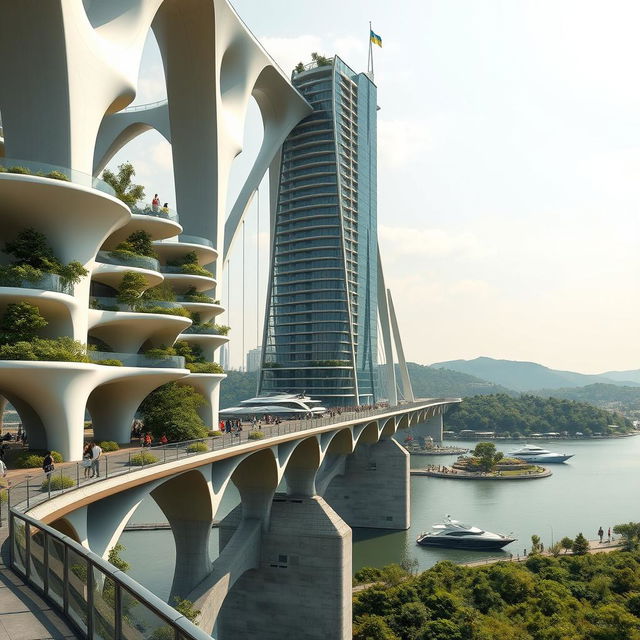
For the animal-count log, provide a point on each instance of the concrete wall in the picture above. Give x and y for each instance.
(302, 588)
(374, 490)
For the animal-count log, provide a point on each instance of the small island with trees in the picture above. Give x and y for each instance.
(485, 463)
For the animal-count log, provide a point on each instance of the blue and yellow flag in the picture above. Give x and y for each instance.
(375, 38)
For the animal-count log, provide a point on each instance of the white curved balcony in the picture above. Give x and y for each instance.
(175, 247)
(35, 199)
(157, 228)
(110, 268)
(127, 331)
(206, 310)
(182, 281)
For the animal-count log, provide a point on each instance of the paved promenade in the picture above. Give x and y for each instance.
(24, 615)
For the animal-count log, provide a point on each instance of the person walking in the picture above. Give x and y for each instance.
(96, 452)
(609, 535)
(86, 459)
(155, 203)
(600, 534)
(47, 465)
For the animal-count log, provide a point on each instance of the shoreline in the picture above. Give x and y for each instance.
(466, 475)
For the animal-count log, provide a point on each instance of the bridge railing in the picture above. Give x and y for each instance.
(98, 599)
(38, 487)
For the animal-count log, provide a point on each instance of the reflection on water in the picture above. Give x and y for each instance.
(596, 488)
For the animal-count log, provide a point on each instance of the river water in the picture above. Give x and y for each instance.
(597, 487)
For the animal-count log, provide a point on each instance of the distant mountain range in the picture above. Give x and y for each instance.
(529, 376)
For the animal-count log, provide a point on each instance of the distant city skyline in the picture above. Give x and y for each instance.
(509, 158)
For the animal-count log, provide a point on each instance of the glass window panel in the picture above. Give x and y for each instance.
(19, 547)
(104, 606)
(77, 587)
(138, 621)
(56, 570)
(36, 547)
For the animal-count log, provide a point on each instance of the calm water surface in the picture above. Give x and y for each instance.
(598, 487)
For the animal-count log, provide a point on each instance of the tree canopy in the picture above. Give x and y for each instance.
(172, 410)
(531, 414)
(122, 184)
(580, 597)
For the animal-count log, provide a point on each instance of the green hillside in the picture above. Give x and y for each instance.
(238, 386)
(525, 376)
(606, 396)
(528, 414)
(429, 382)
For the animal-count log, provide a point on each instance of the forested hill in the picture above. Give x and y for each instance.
(237, 387)
(607, 396)
(528, 414)
(429, 382)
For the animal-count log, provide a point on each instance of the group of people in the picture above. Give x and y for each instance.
(601, 534)
(91, 459)
(155, 204)
(231, 426)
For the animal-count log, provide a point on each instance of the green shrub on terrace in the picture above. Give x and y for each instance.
(109, 362)
(194, 269)
(63, 349)
(33, 458)
(197, 447)
(109, 445)
(57, 175)
(141, 459)
(56, 482)
(256, 435)
(162, 292)
(167, 311)
(192, 295)
(160, 353)
(216, 433)
(204, 367)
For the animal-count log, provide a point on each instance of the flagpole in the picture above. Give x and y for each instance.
(370, 61)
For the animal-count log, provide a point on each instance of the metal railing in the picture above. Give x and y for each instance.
(139, 359)
(123, 260)
(102, 303)
(99, 600)
(48, 282)
(156, 212)
(186, 239)
(144, 107)
(55, 172)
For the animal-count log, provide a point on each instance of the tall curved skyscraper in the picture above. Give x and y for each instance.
(321, 324)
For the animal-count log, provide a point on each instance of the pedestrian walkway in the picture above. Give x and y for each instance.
(24, 615)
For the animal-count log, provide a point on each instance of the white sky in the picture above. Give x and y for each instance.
(508, 170)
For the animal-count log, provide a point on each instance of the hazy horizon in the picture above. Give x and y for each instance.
(509, 158)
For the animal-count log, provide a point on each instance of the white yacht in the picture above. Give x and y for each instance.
(278, 404)
(455, 535)
(533, 453)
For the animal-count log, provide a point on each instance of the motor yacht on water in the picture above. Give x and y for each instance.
(533, 453)
(455, 535)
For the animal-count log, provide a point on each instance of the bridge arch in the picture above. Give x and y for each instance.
(302, 467)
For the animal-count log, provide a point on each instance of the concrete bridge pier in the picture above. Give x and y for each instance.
(431, 427)
(374, 489)
(301, 586)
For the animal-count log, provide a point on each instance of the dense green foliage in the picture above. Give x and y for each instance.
(171, 410)
(21, 322)
(141, 459)
(487, 455)
(57, 482)
(122, 184)
(582, 597)
(138, 243)
(606, 396)
(34, 458)
(62, 349)
(31, 252)
(238, 386)
(528, 414)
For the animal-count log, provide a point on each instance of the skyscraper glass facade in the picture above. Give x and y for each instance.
(321, 325)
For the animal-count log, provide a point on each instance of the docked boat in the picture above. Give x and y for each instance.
(533, 453)
(456, 535)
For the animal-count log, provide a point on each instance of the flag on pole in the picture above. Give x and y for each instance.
(375, 38)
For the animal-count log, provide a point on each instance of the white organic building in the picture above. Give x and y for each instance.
(68, 71)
